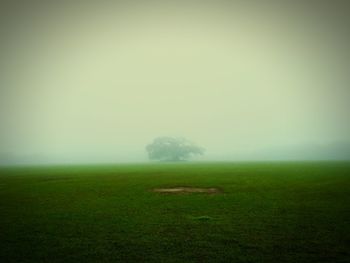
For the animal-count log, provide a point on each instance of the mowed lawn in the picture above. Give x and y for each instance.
(267, 212)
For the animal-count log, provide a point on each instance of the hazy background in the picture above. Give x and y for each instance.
(96, 81)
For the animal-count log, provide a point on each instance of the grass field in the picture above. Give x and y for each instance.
(266, 212)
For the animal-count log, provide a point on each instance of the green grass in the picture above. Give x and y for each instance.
(268, 212)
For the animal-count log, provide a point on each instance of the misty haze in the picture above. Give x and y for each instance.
(97, 84)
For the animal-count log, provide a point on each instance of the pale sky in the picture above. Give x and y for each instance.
(98, 82)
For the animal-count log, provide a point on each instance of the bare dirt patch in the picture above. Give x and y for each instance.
(184, 190)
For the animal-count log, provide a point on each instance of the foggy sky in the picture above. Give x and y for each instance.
(96, 82)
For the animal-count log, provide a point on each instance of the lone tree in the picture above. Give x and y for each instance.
(172, 149)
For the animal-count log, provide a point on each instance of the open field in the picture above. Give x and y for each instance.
(264, 212)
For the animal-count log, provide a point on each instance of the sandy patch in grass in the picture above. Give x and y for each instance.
(184, 189)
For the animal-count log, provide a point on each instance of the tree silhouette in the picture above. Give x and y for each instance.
(172, 149)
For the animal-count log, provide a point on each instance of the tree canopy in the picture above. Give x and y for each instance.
(172, 149)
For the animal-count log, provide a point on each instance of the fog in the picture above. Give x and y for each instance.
(96, 82)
